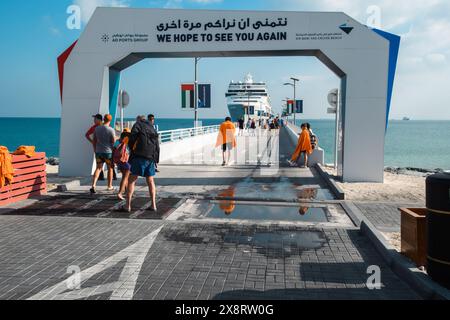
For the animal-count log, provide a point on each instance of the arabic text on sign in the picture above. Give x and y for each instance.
(242, 24)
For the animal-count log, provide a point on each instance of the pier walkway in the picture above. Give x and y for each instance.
(256, 229)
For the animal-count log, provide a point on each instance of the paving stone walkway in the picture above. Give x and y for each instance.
(186, 261)
(384, 216)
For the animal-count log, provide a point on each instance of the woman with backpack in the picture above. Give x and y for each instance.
(313, 137)
(121, 157)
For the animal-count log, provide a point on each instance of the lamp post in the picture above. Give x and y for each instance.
(124, 101)
(287, 107)
(293, 84)
(196, 92)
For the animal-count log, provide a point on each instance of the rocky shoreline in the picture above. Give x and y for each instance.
(411, 171)
(53, 161)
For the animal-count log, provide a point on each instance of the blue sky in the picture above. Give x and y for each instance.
(34, 34)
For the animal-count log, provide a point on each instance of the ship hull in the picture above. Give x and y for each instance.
(237, 111)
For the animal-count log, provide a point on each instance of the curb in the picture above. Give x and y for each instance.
(400, 265)
(337, 191)
(68, 186)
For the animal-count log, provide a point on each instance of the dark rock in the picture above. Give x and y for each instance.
(53, 161)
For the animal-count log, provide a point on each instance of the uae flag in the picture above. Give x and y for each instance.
(187, 96)
(290, 105)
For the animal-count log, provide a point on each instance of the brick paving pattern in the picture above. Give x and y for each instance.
(103, 206)
(191, 260)
(384, 216)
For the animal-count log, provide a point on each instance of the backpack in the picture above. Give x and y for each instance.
(313, 141)
(120, 154)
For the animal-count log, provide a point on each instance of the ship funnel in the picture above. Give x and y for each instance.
(248, 78)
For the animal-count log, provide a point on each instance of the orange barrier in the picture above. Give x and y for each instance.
(30, 179)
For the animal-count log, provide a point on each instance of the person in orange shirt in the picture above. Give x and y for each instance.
(227, 139)
(303, 147)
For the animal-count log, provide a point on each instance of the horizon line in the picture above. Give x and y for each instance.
(184, 118)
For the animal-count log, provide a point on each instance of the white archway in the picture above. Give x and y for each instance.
(116, 38)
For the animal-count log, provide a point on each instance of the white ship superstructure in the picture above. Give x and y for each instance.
(248, 99)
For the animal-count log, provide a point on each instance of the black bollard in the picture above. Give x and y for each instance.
(438, 228)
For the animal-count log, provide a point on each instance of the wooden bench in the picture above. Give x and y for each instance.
(30, 179)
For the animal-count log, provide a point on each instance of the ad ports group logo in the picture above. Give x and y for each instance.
(105, 38)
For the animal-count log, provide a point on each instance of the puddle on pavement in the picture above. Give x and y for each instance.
(281, 188)
(235, 212)
(280, 240)
(230, 210)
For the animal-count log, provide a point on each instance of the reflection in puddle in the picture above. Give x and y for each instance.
(303, 211)
(308, 193)
(229, 210)
(227, 206)
(282, 189)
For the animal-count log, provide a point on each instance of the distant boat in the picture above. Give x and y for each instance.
(406, 119)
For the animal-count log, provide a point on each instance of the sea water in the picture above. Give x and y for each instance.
(419, 144)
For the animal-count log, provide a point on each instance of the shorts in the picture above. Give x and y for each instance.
(124, 166)
(102, 158)
(227, 146)
(142, 167)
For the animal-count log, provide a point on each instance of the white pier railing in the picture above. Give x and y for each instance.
(177, 134)
(180, 134)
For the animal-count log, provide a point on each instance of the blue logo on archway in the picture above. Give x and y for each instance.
(347, 29)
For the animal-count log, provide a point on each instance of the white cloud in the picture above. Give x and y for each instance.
(173, 4)
(55, 31)
(436, 58)
(423, 68)
(88, 6)
(48, 20)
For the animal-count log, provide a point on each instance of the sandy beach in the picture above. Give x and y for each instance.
(52, 173)
(409, 187)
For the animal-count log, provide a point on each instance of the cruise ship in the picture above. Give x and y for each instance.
(248, 99)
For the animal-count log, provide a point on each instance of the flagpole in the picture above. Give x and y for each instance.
(196, 93)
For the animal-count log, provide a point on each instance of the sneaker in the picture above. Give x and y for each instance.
(292, 163)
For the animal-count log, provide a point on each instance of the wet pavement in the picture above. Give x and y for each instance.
(282, 188)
